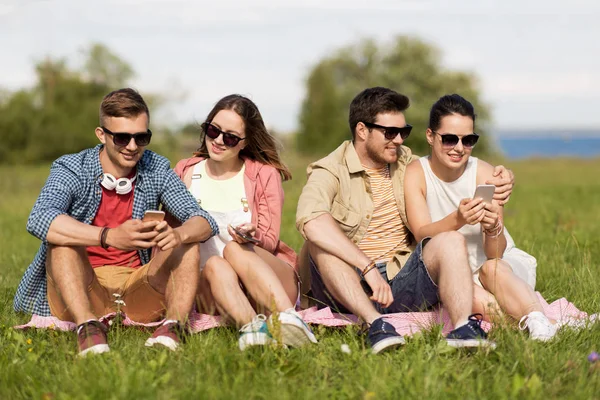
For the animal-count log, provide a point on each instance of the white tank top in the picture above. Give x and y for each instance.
(225, 201)
(443, 199)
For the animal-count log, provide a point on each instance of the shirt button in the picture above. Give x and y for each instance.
(368, 216)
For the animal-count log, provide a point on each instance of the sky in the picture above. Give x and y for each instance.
(538, 62)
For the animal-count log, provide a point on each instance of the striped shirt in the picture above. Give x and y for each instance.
(73, 188)
(386, 233)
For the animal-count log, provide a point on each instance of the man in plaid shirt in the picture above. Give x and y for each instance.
(95, 253)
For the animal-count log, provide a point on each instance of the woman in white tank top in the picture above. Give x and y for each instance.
(438, 193)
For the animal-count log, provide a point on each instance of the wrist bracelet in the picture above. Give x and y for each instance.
(495, 231)
(369, 267)
(103, 235)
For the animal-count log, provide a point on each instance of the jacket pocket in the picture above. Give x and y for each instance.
(347, 219)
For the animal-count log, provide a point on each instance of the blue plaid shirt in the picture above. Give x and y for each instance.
(73, 188)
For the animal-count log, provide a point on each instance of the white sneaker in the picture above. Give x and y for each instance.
(578, 323)
(539, 326)
(255, 333)
(294, 331)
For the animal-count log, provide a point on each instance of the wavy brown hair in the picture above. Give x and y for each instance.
(260, 144)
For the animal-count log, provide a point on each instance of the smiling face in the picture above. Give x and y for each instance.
(227, 121)
(120, 160)
(380, 151)
(452, 159)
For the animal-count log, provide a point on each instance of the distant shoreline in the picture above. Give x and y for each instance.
(535, 133)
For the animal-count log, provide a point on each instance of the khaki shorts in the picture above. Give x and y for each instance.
(142, 302)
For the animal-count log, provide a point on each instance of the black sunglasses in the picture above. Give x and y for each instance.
(123, 139)
(391, 132)
(450, 140)
(229, 139)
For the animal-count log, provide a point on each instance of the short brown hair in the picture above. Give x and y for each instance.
(373, 101)
(125, 102)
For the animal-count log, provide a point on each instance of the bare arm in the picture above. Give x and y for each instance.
(494, 241)
(67, 231)
(417, 211)
(324, 232)
(195, 229)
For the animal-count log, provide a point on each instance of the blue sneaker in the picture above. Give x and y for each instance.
(470, 335)
(383, 336)
(255, 333)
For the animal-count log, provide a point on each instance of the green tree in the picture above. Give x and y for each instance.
(58, 115)
(407, 65)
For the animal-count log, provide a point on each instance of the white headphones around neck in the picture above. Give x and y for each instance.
(121, 185)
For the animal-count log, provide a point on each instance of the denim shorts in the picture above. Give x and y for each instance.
(412, 288)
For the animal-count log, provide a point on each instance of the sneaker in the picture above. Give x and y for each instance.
(539, 326)
(255, 333)
(578, 323)
(168, 334)
(91, 338)
(294, 331)
(383, 336)
(470, 335)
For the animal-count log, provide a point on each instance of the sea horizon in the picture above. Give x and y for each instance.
(548, 143)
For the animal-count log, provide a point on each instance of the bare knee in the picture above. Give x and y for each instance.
(450, 241)
(493, 267)
(55, 251)
(217, 268)
(232, 250)
(66, 256)
(443, 245)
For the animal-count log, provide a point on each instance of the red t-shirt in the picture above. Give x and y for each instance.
(113, 211)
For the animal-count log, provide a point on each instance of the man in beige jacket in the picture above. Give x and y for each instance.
(361, 254)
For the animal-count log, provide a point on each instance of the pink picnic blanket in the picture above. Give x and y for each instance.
(405, 323)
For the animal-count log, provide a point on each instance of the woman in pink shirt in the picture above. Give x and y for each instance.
(236, 175)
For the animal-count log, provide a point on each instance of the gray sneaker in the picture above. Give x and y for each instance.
(294, 331)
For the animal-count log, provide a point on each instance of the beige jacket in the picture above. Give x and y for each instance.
(338, 185)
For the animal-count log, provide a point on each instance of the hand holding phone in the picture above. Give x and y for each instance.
(243, 235)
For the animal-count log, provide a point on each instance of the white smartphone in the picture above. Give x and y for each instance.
(243, 235)
(486, 192)
(154, 215)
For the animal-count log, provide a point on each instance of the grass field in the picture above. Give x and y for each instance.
(554, 214)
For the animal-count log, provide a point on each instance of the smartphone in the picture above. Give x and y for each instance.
(486, 192)
(243, 235)
(154, 215)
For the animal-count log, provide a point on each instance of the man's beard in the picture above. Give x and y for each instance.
(377, 158)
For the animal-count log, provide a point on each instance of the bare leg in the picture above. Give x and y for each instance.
(485, 303)
(204, 298)
(445, 257)
(72, 273)
(175, 273)
(515, 296)
(343, 284)
(269, 281)
(227, 293)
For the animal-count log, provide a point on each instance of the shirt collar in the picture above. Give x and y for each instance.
(352, 160)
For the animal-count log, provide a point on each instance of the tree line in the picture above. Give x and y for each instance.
(58, 113)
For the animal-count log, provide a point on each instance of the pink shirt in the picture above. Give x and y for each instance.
(264, 191)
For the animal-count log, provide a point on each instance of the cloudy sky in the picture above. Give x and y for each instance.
(538, 61)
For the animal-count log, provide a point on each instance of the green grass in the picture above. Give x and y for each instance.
(554, 214)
